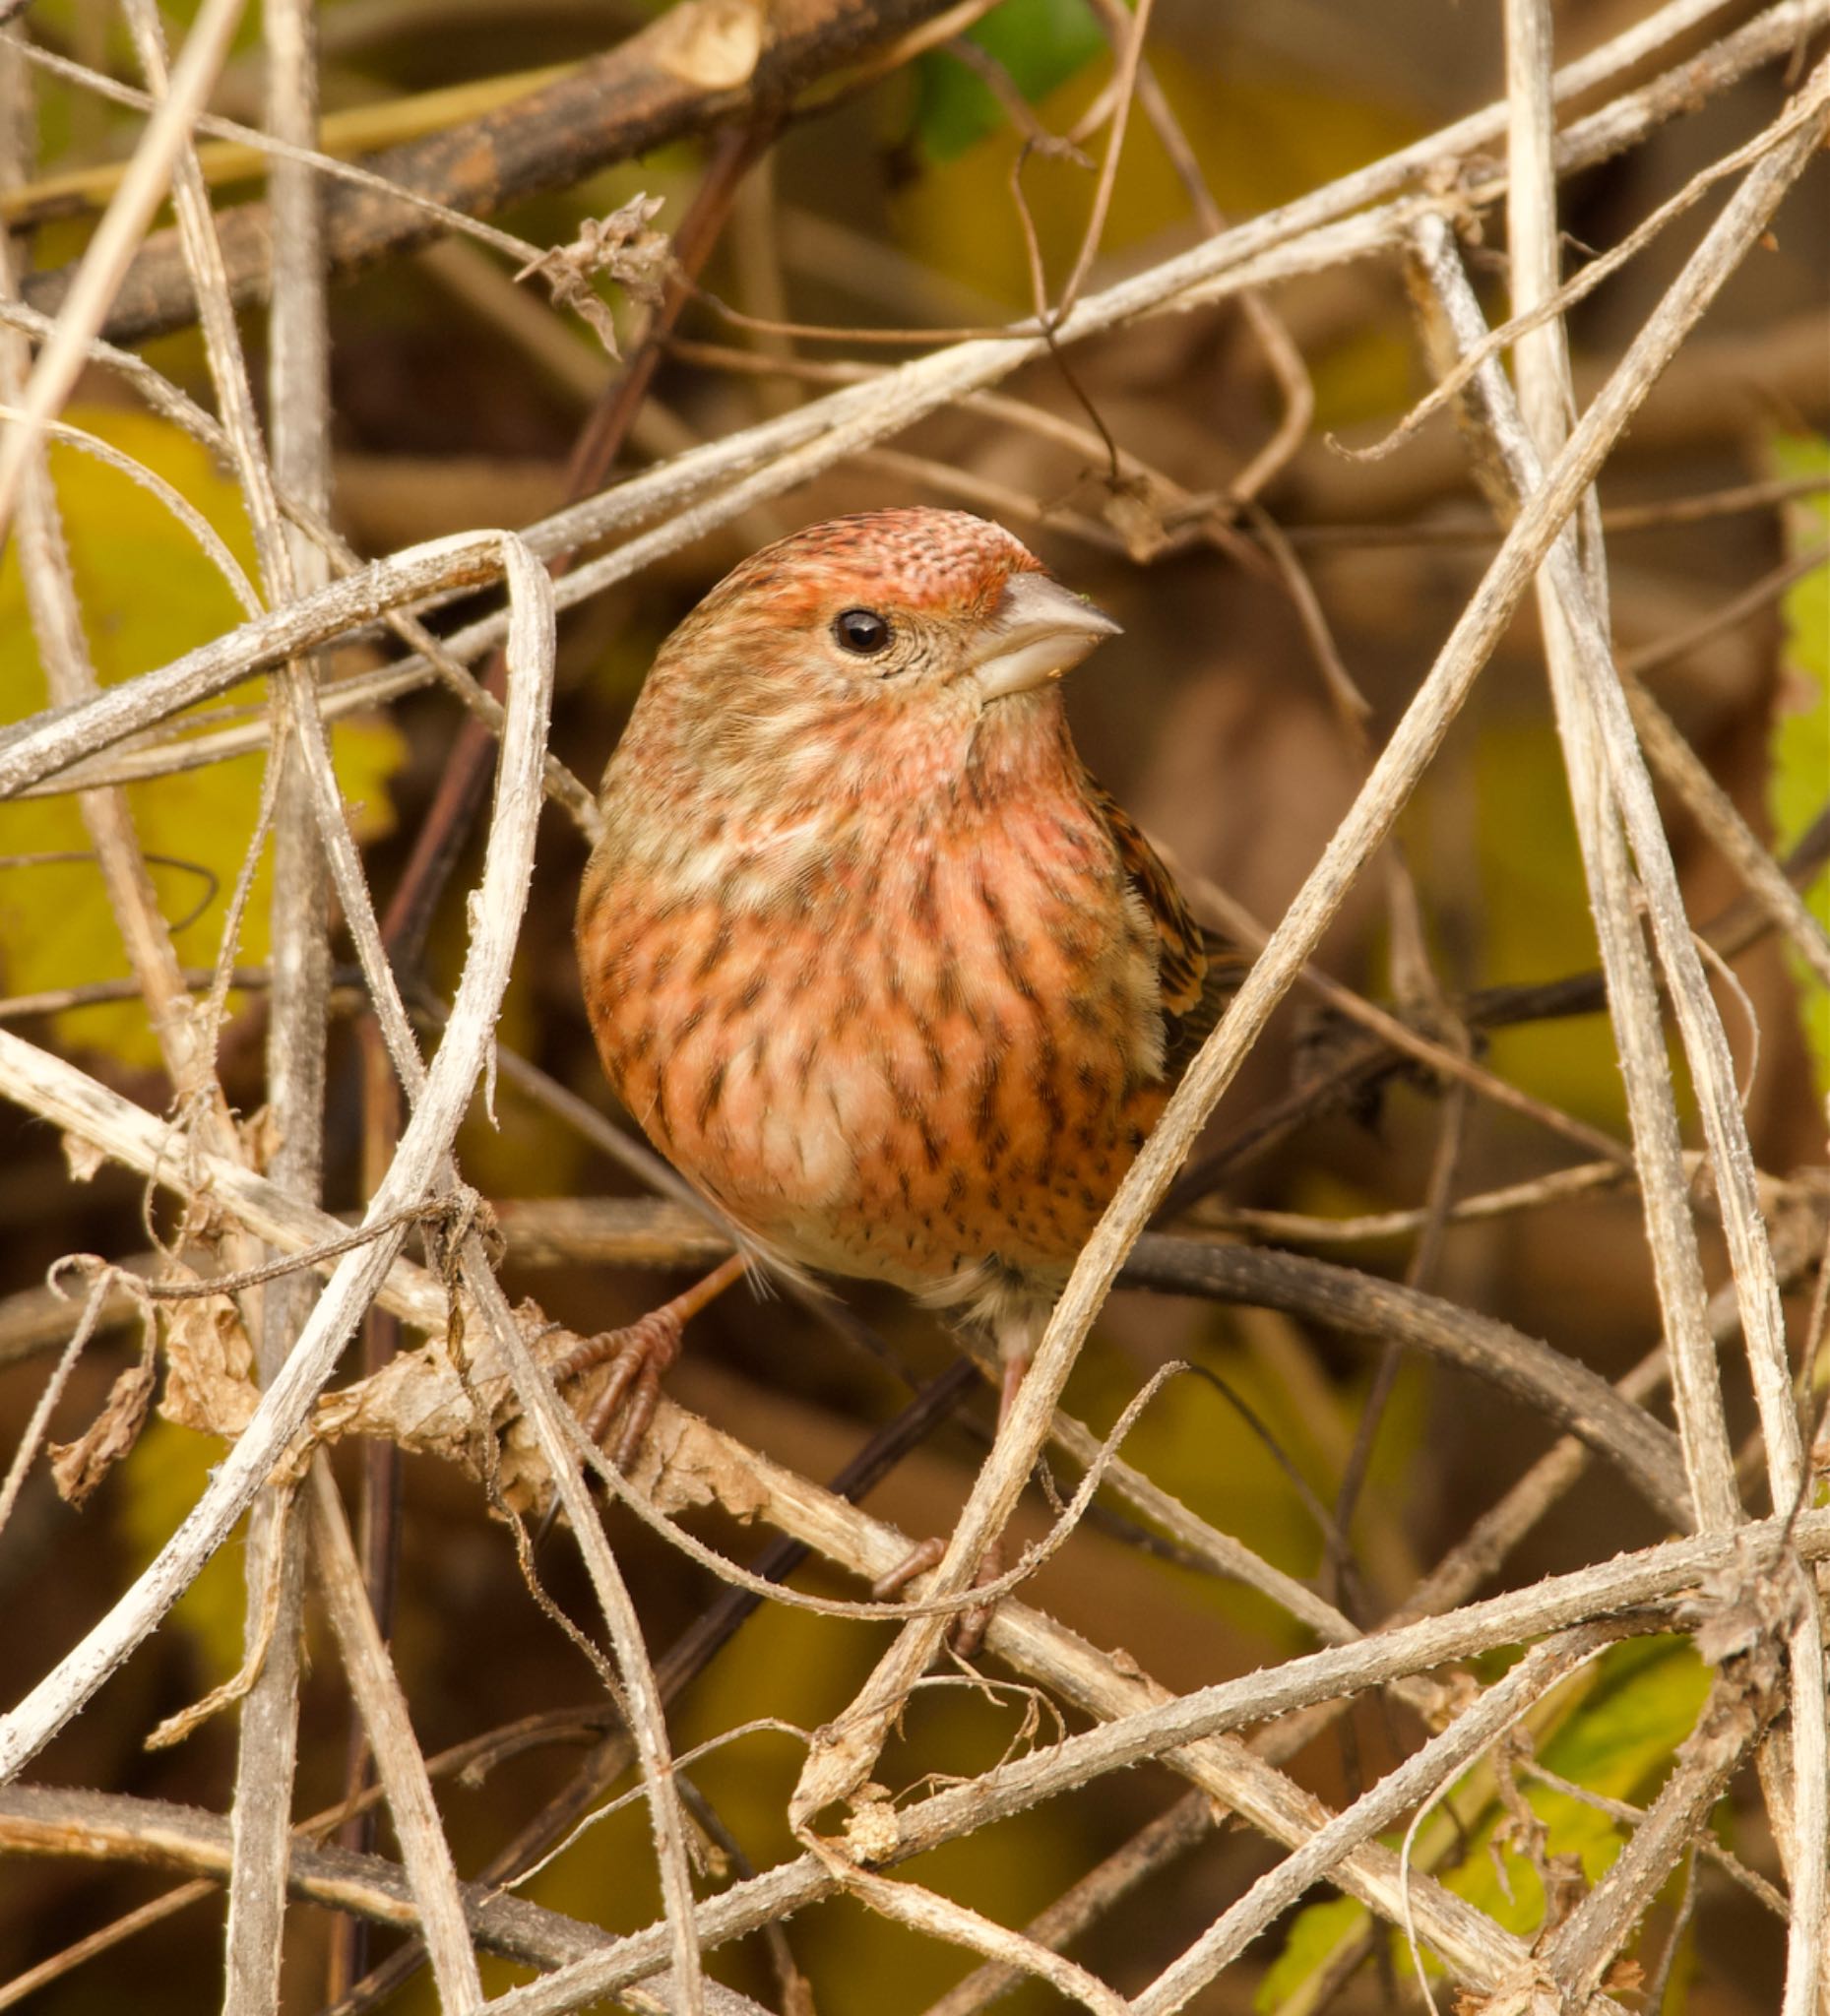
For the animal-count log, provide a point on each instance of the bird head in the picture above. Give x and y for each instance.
(892, 638)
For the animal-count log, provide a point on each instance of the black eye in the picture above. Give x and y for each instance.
(862, 631)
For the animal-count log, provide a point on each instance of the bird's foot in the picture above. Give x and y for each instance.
(966, 1635)
(919, 1558)
(639, 1357)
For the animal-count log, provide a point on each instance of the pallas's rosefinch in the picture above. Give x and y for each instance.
(869, 955)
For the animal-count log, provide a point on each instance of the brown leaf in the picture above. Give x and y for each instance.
(680, 1468)
(620, 245)
(78, 1467)
(419, 1402)
(209, 1369)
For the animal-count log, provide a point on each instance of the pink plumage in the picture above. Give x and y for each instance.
(868, 955)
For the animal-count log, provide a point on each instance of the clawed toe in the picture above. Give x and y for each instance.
(639, 1357)
(967, 1633)
(925, 1554)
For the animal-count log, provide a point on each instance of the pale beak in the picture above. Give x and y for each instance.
(1038, 631)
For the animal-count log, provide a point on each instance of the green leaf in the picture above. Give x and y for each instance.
(1618, 1739)
(1799, 744)
(147, 594)
(1318, 1932)
(1039, 43)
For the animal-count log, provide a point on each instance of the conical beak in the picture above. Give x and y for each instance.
(1038, 631)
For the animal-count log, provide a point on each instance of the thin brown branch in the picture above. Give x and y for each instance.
(635, 98)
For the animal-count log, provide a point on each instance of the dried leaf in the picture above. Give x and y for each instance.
(679, 1468)
(419, 1402)
(423, 1403)
(78, 1467)
(620, 245)
(209, 1369)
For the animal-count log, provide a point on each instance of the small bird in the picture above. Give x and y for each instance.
(868, 955)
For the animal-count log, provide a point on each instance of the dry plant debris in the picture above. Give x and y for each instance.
(1582, 1759)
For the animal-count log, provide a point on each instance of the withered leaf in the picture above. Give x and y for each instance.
(210, 1367)
(78, 1467)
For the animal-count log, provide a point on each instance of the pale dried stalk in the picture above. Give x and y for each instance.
(70, 676)
(1392, 1029)
(188, 1053)
(425, 1851)
(274, 147)
(318, 550)
(942, 1917)
(142, 190)
(1153, 1726)
(849, 1537)
(52, 1390)
(1128, 55)
(1281, 353)
(1222, 1554)
(111, 1827)
(1167, 1838)
(298, 1002)
(1645, 1452)
(1578, 1953)
(869, 1548)
(55, 1089)
(1422, 1775)
(1715, 813)
(1481, 1551)
(267, 1745)
(50, 741)
(641, 1704)
(1542, 364)
(57, 630)
(1599, 694)
(496, 913)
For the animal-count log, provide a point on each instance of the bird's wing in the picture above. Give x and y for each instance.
(1198, 971)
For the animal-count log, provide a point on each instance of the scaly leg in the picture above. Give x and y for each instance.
(967, 1635)
(640, 1355)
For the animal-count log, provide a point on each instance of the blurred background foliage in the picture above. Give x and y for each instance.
(457, 397)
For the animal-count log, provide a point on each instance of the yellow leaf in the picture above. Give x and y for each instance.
(147, 594)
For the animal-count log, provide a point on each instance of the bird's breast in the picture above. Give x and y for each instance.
(927, 1046)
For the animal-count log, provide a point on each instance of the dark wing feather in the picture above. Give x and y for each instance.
(1227, 967)
(1197, 969)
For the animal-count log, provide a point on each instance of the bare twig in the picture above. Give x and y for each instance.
(1604, 709)
(638, 94)
(107, 260)
(1439, 1762)
(454, 1072)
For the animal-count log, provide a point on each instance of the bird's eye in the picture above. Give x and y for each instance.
(862, 631)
